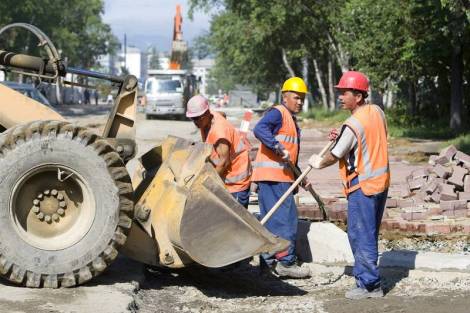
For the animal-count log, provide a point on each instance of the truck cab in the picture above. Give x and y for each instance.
(167, 92)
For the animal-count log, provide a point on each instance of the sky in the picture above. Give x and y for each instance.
(150, 22)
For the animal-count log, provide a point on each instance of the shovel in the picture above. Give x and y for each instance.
(310, 189)
(299, 179)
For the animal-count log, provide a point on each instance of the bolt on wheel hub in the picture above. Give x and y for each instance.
(49, 206)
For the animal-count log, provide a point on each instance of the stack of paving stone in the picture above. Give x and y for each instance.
(446, 180)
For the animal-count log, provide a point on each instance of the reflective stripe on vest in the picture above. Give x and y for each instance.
(269, 164)
(237, 178)
(287, 139)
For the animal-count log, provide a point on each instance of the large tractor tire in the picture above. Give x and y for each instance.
(65, 204)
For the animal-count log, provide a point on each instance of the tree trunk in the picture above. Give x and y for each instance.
(388, 95)
(456, 86)
(331, 91)
(412, 98)
(286, 63)
(341, 56)
(321, 88)
(305, 76)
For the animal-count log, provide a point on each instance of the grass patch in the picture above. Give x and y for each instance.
(325, 117)
(462, 143)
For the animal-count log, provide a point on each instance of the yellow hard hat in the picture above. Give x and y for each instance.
(296, 84)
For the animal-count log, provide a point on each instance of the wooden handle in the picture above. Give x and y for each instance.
(326, 148)
(293, 186)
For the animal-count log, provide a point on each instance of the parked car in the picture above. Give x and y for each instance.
(29, 91)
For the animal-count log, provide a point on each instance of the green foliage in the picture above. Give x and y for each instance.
(462, 143)
(330, 117)
(74, 26)
(407, 47)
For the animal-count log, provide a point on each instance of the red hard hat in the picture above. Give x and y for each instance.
(353, 80)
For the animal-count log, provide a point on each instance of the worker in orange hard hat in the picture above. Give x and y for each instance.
(280, 141)
(361, 149)
(230, 154)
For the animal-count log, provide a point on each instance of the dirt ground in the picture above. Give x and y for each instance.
(245, 289)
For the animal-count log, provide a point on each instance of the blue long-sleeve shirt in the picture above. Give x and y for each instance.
(268, 127)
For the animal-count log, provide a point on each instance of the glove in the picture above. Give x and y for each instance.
(282, 152)
(315, 161)
(285, 155)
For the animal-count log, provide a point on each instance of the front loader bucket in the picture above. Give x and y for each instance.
(191, 215)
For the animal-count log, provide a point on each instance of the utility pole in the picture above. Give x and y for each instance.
(125, 51)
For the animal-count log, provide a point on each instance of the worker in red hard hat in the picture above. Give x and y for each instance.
(230, 154)
(361, 149)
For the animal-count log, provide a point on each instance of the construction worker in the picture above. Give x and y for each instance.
(230, 154)
(361, 148)
(280, 137)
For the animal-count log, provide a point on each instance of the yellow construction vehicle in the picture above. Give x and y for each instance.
(68, 205)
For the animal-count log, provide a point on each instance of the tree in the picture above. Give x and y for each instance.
(74, 26)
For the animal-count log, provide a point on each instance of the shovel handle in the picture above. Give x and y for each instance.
(327, 148)
(285, 195)
(293, 186)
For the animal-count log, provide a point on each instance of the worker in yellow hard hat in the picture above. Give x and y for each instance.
(280, 138)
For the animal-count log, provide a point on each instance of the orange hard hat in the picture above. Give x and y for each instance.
(353, 80)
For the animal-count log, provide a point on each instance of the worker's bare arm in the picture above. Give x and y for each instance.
(222, 147)
(328, 160)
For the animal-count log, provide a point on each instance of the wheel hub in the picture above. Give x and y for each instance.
(49, 206)
(52, 207)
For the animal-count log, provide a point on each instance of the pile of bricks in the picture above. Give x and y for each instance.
(445, 180)
(435, 200)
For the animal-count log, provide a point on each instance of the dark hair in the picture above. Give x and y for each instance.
(363, 93)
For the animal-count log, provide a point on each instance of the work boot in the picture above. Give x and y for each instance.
(362, 293)
(291, 271)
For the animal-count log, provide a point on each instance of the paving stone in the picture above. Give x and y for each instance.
(432, 159)
(437, 210)
(430, 186)
(391, 203)
(437, 229)
(464, 196)
(448, 193)
(413, 216)
(436, 196)
(417, 183)
(442, 171)
(405, 203)
(405, 191)
(448, 152)
(458, 174)
(454, 205)
(466, 183)
(441, 160)
(422, 172)
(463, 158)
(310, 212)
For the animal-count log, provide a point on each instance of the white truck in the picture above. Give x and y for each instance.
(167, 92)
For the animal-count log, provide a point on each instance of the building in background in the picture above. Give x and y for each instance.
(201, 69)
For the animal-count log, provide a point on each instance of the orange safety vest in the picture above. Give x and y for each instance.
(268, 166)
(238, 173)
(370, 127)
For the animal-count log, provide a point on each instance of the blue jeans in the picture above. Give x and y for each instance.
(364, 217)
(243, 197)
(283, 223)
